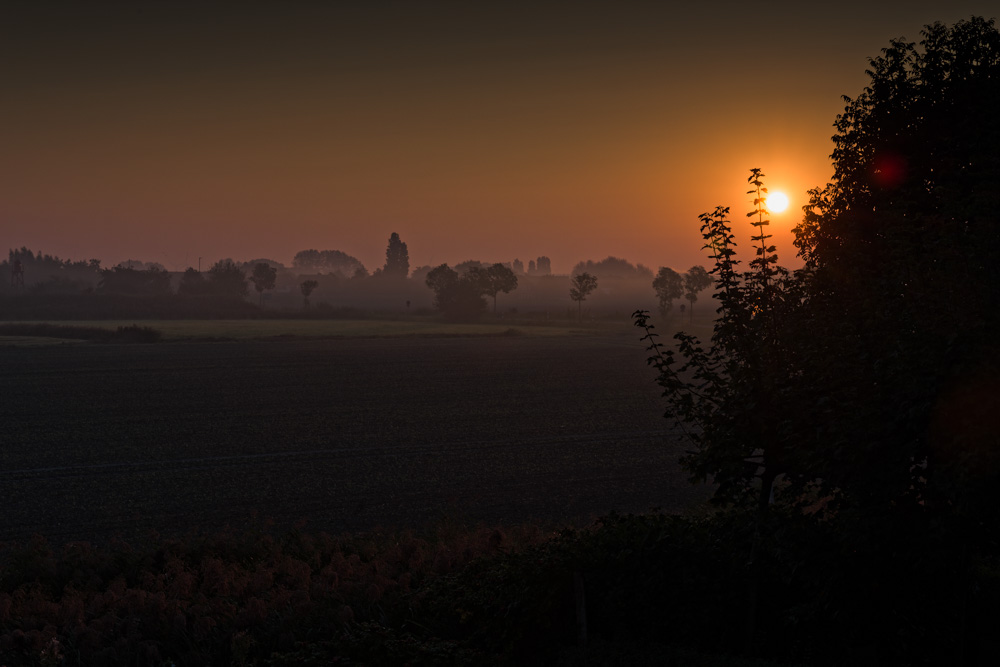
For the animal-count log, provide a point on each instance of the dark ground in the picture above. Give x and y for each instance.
(98, 440)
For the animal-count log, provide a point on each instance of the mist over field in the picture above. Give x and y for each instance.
(320, 284)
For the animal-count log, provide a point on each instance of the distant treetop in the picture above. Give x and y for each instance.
(397, 258)
(613, 267)
(327, 261)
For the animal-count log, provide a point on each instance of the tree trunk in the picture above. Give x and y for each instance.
(755, 574)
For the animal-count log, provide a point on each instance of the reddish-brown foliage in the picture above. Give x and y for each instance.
(225, 598)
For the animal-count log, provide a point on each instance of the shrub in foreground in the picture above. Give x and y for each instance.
(655, 587)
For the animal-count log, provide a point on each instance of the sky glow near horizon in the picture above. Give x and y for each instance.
(474, 130)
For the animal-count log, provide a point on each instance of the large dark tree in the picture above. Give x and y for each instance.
(227, 279)
(193, 283)
(903, 264)
(493, 280)
(862, 389)
(307, 287)
(326, 261)
(457, 297)
(914, 197)
(669, 285)
(397, 259)
(847, 366)
(695, 280)
(126, 280)
(263, 278)
(613, 267)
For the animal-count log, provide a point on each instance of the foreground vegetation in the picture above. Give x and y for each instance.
(850, 406)
(630, 590)
(647, 587)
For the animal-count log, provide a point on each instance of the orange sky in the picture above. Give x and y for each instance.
(487, 131)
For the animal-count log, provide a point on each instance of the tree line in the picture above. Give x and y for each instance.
(467, 291)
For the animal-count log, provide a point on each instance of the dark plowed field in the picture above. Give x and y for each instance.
(97, 440)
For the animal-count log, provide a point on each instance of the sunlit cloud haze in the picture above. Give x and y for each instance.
(172, 131)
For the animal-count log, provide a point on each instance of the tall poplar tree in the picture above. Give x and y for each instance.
(397, 259)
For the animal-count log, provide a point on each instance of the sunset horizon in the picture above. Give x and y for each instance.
(436, 332)
(169, 133)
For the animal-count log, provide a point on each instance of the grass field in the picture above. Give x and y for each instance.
(347, 433)
(35, 341)
(262, 329)
(177, 330)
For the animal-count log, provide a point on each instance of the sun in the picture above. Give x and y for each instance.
(777, 202)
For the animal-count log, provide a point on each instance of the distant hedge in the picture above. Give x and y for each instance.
(124, 334)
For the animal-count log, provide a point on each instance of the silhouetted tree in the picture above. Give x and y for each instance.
(326, 261)
(492, 280)
(517, 266)
(543, 266)
(744, 366)
(440, 277)
(139, 265)
(263, 278)
(397, 259)
(123, 280)
(458, 297)
(50, 274)
(227, 279)
(249, 265)
(581, 287)
(307, 287)
(727, 398)
(668, 285)
(903, 280)
(695, 280)
(532, 270)
(17, 273)
(861, 380)
(613, 267)
(464, 267)
(193, 283)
